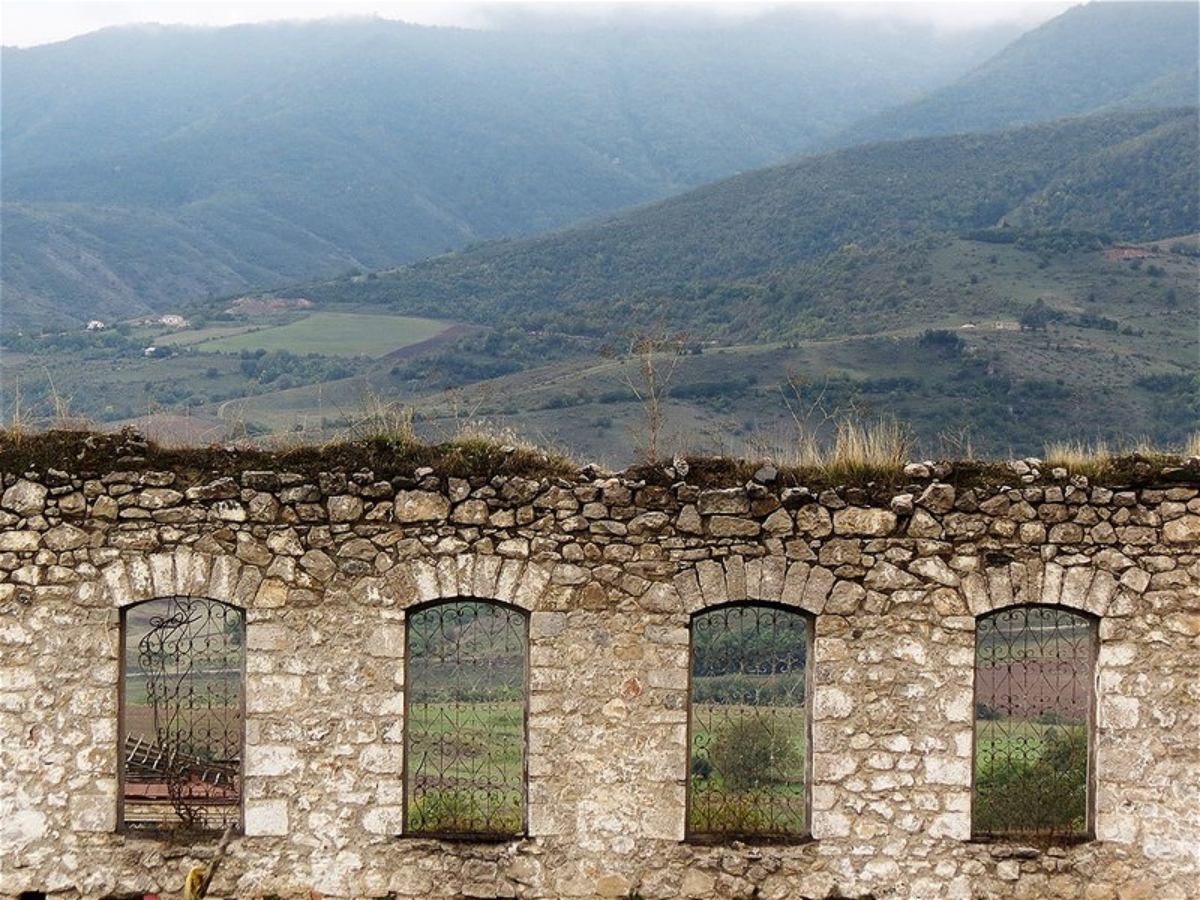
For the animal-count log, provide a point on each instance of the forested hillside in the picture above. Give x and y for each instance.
(144, 166)
(1012, 284)
(1092, 58)
(759, 256)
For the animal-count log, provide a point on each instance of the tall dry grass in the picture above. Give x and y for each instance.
(859, 447)
(1192, 446)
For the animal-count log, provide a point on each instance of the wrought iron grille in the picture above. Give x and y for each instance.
(748, 723)
(182, 714)
(1033, 708)
(465, 725)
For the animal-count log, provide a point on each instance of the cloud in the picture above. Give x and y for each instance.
(24, 23)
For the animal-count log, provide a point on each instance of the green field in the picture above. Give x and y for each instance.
(465, 768)
(332, 334)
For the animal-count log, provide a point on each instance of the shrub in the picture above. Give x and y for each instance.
(1045, 797)
(753, 752)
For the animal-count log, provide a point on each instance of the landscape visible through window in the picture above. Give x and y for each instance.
(465, 740)
(182, 714)
(1033, 701)
(748, 723)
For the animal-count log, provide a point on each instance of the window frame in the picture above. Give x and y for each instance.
(406, 798)
(1093, 643)
(720, 838)
(123, 826)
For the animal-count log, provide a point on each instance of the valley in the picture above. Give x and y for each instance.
(1107, 353)
(609, 240)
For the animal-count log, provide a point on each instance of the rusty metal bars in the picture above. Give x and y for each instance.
(748, 723)
(1033, 722)
(182, 714)
(465, 740)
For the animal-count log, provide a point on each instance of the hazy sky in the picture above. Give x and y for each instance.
(25, 24)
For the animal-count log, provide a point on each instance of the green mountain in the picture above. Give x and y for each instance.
(143, 166)
(1094, 57)
(748, 258)
(996, 292)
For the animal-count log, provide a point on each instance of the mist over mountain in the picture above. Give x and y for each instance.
(1128, 176)
(147, 165)
(1092, 58)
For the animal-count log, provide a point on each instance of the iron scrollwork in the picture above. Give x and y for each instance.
(1033, 701)
(748, 723)
(183, 714)
(465, 743)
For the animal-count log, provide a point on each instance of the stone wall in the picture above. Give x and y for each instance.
(611, 569)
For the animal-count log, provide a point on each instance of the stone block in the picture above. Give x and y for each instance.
(687, 585)
(273, 693)
(845, 598)
(19, 541)
(266, 818)
(818, 588)
(955, 826)
(937, 498)
(21, 827)
(25, 498)
(774, 573)
(1119, 712)
(93, 813)
(532, 585)
(730, 501)
(271, 761)
(732, 526)
(382, 759)
(924, 525)
(949, 770)
(345, 508)
(1185, 530)
(830, 825)
(711, 576)
(831, 703)
(420, 506)
(508, 580)
(697, 884)
(999, 587)
(385, 642)
(62, 537)
(854, 520)
(814, 520)
(1076, 583)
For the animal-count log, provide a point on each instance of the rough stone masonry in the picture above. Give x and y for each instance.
(610, 568)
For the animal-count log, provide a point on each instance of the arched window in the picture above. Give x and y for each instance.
(1033, 723)
(181, 701)
(465, 740)
(748, 723)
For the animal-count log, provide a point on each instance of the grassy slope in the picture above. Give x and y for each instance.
(999, 391)
(803, 285)
(747, 257)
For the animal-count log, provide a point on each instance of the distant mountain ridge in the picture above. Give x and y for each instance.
(1132, 176)
(1095, 57)
(144, 166)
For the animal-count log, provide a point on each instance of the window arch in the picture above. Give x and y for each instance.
(1034, 700)
(749, 723)
(465, 719)
(181, 714)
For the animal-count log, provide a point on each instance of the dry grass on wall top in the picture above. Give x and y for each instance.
(88, 453)
(860, 460)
